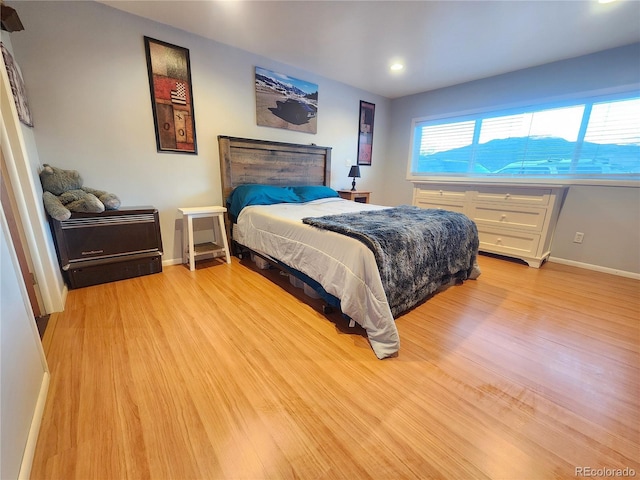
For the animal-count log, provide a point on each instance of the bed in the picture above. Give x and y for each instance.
(374, 262)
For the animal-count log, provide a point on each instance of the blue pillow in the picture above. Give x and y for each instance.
(254, 194)
(314, 192)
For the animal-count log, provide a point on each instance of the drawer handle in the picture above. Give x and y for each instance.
(441, 192)
(498, 240)
(503, 217)
(508, 195)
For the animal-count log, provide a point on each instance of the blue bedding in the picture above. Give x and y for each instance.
(256, 194)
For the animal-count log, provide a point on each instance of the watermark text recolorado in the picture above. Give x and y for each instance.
(605, 472)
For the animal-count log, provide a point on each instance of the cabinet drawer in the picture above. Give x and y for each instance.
(433, 192)
(506, 195)
(515, 216)
(443, 205)
(508, 243)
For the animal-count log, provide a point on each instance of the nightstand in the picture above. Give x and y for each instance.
(191, 251)
(356, 196)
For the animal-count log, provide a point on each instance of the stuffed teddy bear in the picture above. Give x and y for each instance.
(64, 193)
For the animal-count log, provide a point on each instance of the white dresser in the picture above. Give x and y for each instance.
(513, 220)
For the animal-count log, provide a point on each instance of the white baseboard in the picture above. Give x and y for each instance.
(34, 430)
(171, 261)
(178, 261)
(65, 292)
(597, 268)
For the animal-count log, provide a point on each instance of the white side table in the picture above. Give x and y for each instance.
(191, 251)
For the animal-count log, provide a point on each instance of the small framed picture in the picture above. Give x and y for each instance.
(17, 87)
(365, 132)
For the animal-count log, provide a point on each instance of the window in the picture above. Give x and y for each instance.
(598, 138)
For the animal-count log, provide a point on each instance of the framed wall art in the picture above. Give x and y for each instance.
(17, 87)
(286, 102)
(365, 132)
(171, 96)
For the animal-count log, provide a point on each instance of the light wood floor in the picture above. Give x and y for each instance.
(221, 374)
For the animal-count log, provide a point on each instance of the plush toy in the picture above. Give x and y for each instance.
(64, 193)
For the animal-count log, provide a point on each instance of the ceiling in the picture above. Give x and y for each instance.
(441, 43)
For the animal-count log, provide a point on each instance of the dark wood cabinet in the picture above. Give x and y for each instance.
(109, 246)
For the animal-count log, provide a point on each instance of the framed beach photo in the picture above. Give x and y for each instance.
(171, 96)
(286, 102)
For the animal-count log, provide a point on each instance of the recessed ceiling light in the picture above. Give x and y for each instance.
(397, 67)
(606, 1)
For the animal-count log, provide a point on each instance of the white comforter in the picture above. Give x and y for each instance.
(344, 266)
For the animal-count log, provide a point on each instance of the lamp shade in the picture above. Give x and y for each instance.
(10, 20)
(354, 172)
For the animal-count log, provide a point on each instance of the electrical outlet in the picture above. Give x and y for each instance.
(578, 237)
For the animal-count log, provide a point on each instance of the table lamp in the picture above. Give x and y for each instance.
(355, 173)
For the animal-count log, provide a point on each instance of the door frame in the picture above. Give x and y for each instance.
(16, 231)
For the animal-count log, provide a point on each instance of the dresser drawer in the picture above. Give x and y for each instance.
(506, 195)
(452, 206)
(513, 216)
(508, 243)
(437, 192)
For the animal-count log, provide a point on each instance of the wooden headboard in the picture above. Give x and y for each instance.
(244, 160)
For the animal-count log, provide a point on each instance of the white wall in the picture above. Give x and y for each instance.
(608, 216)
(86, 78)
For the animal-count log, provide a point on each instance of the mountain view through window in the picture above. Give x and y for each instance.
(597, 138)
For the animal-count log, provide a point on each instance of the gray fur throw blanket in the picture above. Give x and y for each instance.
(417, 250)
